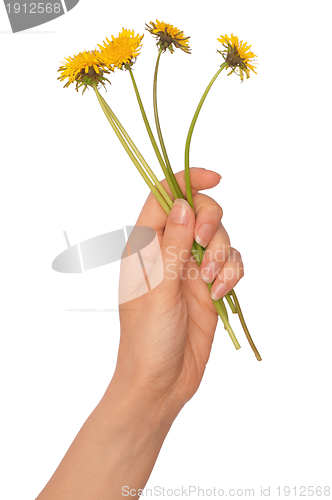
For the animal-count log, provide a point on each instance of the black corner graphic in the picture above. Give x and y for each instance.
(70, 4)
(24, 14)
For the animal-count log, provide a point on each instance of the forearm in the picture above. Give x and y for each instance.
(117, 446)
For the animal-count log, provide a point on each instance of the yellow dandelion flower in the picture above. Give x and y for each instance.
(168, 35)
(122, 50)
(85, 68)
(237, 55)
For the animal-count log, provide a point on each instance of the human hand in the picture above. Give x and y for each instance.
(167, 333)
(166, 338)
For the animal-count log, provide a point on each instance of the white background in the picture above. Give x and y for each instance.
(250, 424)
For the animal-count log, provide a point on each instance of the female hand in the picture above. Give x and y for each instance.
(167, 333)
(166, 338)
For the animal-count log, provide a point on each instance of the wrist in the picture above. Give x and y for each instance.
(140, 402)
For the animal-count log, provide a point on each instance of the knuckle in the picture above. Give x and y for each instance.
(236, 255)
(227, 244)
(236, 264)
(169, 244)
(224, 240)
(222, 253)
(207, 205)
(219, 211)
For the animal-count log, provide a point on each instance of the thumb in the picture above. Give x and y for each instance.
(177, 239)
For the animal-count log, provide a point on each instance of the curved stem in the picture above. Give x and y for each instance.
(231, 303)
(176, 191)
(235, 307)
(197, 250)
(190, 133)
(160, 187)
(147, 125)
(244, 326)
(153, 188)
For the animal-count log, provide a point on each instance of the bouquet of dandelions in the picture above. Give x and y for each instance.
(89, 69)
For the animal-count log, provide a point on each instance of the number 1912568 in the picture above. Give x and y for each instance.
(34, 8)
(304, 491)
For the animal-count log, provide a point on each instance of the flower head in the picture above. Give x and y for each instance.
(85, 68)
(168, 35)
(122, 51)
(237, 55)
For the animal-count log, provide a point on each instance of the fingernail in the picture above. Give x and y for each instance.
(210, 270)
(204, 234)
(180, 213)
(220, 291)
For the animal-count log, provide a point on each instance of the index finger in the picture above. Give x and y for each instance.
(152, 215)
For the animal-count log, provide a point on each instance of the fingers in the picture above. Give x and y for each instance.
(216, 254)
(208, 217)
(221, 262)
(200, 179)
(153, 215)
(210, 233)
(177, 240)
(229, 275)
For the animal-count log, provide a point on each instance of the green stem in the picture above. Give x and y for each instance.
(231, 303)
(154, 190)
(235, 307)
(190, 133)
(220, 308)
(198, 252)
(147, 126)
(244, 326)
(160, 187)
(175, 188)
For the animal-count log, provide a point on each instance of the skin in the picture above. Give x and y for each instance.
(165, 343)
